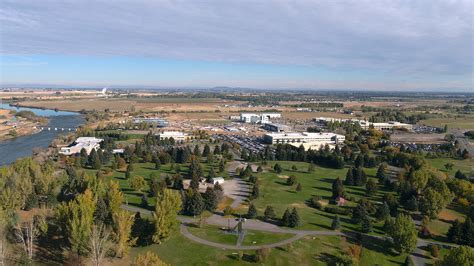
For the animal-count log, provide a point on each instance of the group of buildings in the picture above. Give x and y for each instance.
(260, 118)
(155, 121)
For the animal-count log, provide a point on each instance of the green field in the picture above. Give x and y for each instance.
(319, 250)
(453, 121)
(466, 166)
(252, 237)
(274, 192)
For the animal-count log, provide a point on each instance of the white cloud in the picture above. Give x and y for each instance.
(414, 38)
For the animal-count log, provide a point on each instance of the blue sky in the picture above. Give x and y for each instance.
(377, 45)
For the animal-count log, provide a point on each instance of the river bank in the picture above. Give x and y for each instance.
(23, 146)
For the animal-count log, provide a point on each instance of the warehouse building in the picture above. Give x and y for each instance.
(385, 126)
(86, 143)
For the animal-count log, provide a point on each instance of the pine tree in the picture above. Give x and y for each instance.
(269, 213)
(252, 212)
(206, 151)
(277, 168)
(210, 199)
(157, 164)
(349, 177)
(255, 191)
(366, 224)
(337, 188)
(285, 219)
(197, 151)
(290, 181)
(381, 173)
(221, 166)
(294, 218)
(455, 232)
(383, 212)
(194, 204)
(371, 187)
(336, 223)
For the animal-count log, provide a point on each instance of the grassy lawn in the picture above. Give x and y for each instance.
(466, 166)
(252, 237)
(276, 193)
(213, 234)
(319, 250)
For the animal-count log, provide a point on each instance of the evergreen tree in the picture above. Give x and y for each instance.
(277, 168)
(94, 160)
(269, 213)
(371, 187)
(157, 164)
(210, 199)
(383, 212)
(455, 232)
(294, 218)
(349, 177)
(252, 212)
(290, 181)
(255, 191)
(285, 219)
(381, 175)
(194, 204)
(259, 169)
(206, 151)
(366, 224)
(197, 151)
(221, 166)
(337, 188)
(336, 223)
(83, 157)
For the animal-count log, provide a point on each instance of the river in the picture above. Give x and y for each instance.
(12, 149)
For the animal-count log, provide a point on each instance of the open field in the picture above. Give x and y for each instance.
(466, 166)
(453, 121)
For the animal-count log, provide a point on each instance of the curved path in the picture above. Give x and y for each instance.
(184, 230)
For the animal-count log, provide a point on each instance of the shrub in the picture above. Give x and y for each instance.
(228, 211)
(434, 250)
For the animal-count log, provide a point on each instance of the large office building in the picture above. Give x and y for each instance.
(261, 118)
(159, 122)
(178, 136)
(298, 138)
(274, 127)
(86, 143)
(385, 126)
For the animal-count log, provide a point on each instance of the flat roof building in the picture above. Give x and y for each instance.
(385, 126)
(86, 143)
(309, 140)
(258, 118)
(274, 127)
(160, 122)
(178, 136)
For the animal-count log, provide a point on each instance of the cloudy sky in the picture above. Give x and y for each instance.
(376, 44)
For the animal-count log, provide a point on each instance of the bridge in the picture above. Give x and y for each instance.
(57, 128)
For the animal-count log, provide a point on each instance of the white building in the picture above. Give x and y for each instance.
(87, 143)
(366, 124)
(176, 135)
(258, 118)
(218, 180)
(385, 126)
(306, 139)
